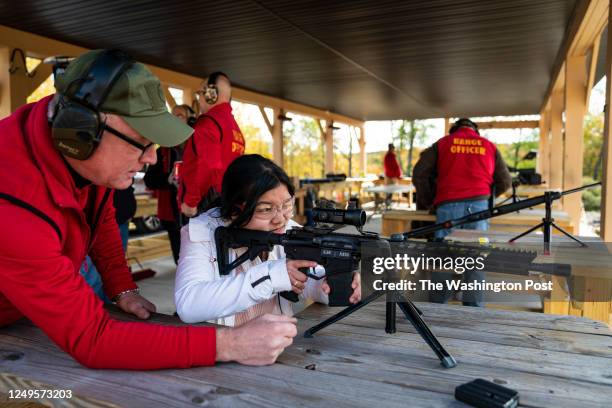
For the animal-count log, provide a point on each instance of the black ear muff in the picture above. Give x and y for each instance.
(76, 130)
(211, 96)
(211, 93)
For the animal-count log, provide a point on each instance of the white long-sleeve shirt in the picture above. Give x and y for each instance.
(202, 294)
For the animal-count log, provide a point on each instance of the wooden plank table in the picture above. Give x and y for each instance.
(391, 189)
(145, 205)
(397, 221)
(553, 361)
(591, 279)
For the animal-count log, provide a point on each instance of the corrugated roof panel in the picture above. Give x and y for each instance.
(366, 59)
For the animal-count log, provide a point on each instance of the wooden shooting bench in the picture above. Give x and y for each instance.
(145, 205)
(591, 280)
(341, 191)
(381, 191)
(396, 221)
(553, 361)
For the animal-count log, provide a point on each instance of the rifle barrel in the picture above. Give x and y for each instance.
(494, 212)
(580, 188)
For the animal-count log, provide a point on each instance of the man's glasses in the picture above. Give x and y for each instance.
(129, 140)
(265, 211)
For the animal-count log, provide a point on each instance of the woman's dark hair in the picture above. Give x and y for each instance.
(246, 179)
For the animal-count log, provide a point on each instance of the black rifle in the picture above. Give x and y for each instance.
(340, 254)
(547, 222)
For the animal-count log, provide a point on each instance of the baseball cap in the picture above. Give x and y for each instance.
(136, 96)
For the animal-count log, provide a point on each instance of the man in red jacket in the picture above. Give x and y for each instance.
(457, 175)
(60, 159)
(216, 142)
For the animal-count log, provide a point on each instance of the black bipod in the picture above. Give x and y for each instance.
(412, 313)
(547, 224)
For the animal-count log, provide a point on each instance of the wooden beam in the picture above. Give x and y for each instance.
(606, 182)
(247, 96)
(509, 124)
(266, 119)
(168, 95)
(188, 96)
(586, 23)
(575, 108)
(43, 47)
(43, 71)
(556, 140)
(543, 162)
(329, 147)
(446, 126)
(278, 138)
(363, 161)
(592, 69)
(320, 126)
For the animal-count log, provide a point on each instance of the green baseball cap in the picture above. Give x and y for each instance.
(136, 96)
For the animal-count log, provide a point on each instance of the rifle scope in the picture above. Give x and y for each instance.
(356, 217)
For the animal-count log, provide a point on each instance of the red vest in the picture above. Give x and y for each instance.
(466, 163)
(206, 156)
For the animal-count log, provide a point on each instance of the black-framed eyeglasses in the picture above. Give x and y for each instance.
(129, 140)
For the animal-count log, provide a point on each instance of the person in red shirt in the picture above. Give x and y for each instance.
(216, 142)
(392, 167)
(457, 175)
(60, 160)
(392, 170)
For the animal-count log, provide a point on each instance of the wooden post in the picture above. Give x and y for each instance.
(168, 95)
(606, 181)
(188, 96)
(446, 126)
(363, 162)
(277, 137)
(329, 146)
(556, 140)
(543, 166)
(575, 107)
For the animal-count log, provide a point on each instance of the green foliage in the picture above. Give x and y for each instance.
(514, 152)
(593, 143)
(591, 197)
(409, 133)
(591, 169)
(257, 140)
(304, 154)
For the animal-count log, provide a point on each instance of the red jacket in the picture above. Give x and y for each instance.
(216, 142)
(392, 168)
(48, 226)
(156, 179)
(466, 162)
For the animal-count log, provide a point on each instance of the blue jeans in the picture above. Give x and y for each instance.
(93, 279)
(124, 230)
(91, 274)
(450, 211)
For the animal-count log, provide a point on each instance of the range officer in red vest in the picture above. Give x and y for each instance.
(456, 176)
